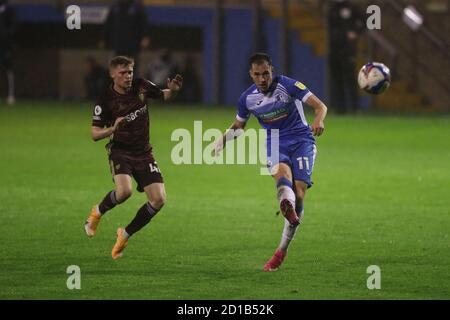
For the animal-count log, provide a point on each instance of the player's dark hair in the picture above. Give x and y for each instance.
(120, 61)
(260, 57)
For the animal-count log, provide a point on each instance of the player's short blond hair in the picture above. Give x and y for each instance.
(120, 61)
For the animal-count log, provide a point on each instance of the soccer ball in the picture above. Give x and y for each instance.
(374, 78)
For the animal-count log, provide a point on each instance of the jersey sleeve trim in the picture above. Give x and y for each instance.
(306, 96)
(241, 119)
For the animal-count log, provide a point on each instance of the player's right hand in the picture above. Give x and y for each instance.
(218, 147)
(117, 124)
(317, 127)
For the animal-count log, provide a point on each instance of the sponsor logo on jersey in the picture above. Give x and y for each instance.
(300, 85)
(274, 115)
(135, 114)
(97, 110)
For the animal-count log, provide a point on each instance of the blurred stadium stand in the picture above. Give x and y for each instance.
(50, 58)
(422, 65)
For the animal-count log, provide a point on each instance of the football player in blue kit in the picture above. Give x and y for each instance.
(276, 101)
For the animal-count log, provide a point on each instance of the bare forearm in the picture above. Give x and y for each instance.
(320, 111)
(233, 131)
(101, 133)
(169, 94)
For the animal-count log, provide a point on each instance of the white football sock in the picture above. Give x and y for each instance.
(97, 210)
(284, 192)
(287, 236)
(289, 233)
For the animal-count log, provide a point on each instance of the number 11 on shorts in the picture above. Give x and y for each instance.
(300, 163)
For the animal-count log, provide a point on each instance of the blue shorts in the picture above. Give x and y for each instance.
(298, 154)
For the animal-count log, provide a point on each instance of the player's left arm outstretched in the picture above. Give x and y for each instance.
(320, 110)
(173, 87)
(234, 131)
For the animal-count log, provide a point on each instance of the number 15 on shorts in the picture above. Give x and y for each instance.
(154, 168)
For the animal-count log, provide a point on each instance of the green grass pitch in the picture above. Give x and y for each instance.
(381, 197)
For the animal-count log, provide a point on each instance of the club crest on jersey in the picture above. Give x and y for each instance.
(300, 85)
(141, 94)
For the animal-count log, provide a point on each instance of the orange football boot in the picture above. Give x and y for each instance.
(121, 243)
(92, 222)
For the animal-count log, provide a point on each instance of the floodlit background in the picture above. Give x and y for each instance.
(381, 177)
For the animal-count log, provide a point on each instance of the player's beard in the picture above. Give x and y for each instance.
(264, 88)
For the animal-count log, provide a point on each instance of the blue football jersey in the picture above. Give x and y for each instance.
(279, 108)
